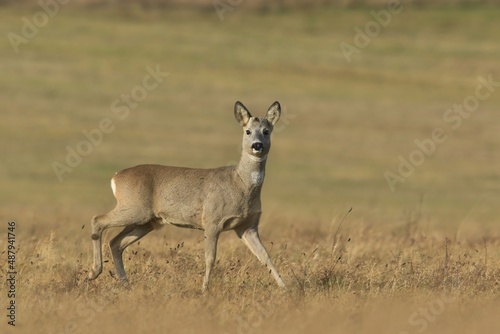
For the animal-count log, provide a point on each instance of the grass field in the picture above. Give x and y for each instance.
(422, 257)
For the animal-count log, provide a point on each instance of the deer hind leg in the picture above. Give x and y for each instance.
(251, 239)
(96, 244)
(115, 218)
(125, 238)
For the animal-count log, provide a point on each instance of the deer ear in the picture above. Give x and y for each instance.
(241, 113)
(274, 113)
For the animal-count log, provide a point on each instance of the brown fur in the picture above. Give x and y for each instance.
(212, 200)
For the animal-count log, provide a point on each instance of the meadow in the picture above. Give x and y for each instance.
(422, 255)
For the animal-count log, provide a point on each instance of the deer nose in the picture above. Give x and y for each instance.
(257, 146)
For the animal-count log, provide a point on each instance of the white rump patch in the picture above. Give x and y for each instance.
(113, 186)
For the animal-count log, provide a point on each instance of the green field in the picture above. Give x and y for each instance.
(344, 126)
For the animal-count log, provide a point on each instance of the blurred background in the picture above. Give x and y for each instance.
(88, 88)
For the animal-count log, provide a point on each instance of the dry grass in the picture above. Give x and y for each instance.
(352, 279)
(388, 269)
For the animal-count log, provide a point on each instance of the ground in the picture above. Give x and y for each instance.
(97, 90)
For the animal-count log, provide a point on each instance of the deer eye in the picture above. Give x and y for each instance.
(266, 132)
(248, 132)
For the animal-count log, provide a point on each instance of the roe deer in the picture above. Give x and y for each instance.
(212, 200)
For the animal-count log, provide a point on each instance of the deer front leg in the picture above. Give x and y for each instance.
(211, 238)
(250, 237)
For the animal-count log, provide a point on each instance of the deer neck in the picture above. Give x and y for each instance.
(251, 170)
